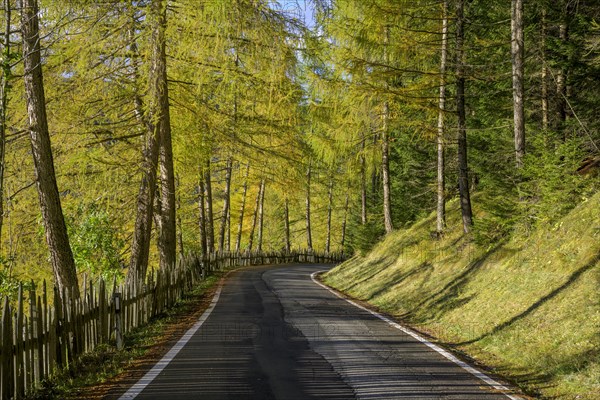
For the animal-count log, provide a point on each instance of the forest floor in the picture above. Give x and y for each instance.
(528, 307)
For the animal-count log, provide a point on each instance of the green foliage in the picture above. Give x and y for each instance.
(96, 244)
(552, 187)
(362, 238)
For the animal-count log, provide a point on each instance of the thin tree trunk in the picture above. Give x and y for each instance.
(329, 212)
(228, 230)
(517, 56)
(309, 244)
(345, 221)
(544, 73)
(238, 241)
(363, 184)
(210, 225)
(255, 216)
(385, 155)
(4, 86)
(441, 161)
(385, 173)
(463, 169)
(226, 202)
(54, 223)
(261, 215)
(179, 223)
(561, 87)
(202, 210)
(159, 106)
(286, 209)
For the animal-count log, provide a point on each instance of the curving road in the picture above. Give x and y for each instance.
(276, 334)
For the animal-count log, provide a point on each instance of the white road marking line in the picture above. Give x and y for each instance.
(137, 388)
(475, 372)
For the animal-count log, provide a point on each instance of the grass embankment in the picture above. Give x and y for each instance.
(529, 308)
(99, 372)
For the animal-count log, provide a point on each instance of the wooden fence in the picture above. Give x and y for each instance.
(34, 346)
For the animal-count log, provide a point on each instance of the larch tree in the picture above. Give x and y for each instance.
(518, 68)
(57, 239)
(441, 127)
(463, 168)
(157, 148)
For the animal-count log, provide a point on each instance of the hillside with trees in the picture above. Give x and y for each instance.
(133, 133)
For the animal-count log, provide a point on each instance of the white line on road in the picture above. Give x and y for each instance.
(136, 389)
(475, 372)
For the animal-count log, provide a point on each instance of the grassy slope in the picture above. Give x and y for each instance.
(529, 308)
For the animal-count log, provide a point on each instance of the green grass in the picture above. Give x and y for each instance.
(106, 363)
(528, 307)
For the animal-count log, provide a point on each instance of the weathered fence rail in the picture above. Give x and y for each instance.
(50, 336)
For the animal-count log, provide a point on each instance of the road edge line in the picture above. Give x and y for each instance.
(147, 379)
(473, 371)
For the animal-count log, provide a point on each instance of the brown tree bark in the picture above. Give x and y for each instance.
(544, 77)
(286, 210)
(226, 203)
(255, 215)
(140, 248)
(385, 155)
(54, 224)
(517, 57)
(167, 240)
(563, 72)
(261, 215)
(441, 128)
(4, 87)
(329, 212)
(463, 169)
(309, 243)
(363, 184)
(345, 220)
(181, 250)
(202, 211)
(238, 241)
(210, 224)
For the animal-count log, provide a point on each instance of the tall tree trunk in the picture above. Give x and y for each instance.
(363, 184)
(255, 216)
(563, 71)
(226, 202)
(4, 87)
(309, 244)
(463, 169)
(441, 161)
(159, 106)
(238, 241)
(210, 224)
(202, 210)
(261, 215)
(179, 222)
(54, 223)
(517, 57)
(286, 210)
(544, 76)
(345, 221)
(561, 87)
(385, 155)
(228, 230)
(329, 212)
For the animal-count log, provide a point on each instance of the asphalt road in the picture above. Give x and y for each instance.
(275, 334)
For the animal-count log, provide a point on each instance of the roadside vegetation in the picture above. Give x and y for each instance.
(528, 306)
